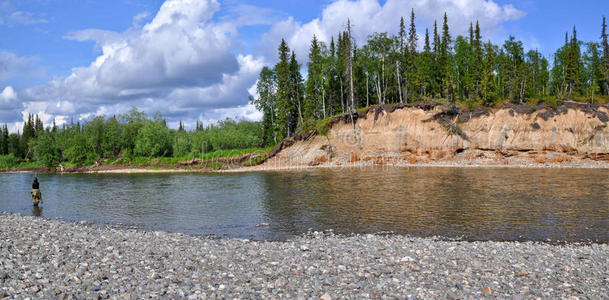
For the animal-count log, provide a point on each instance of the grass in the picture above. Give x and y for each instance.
(153, 163)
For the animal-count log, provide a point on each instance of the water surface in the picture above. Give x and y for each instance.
(468, 203)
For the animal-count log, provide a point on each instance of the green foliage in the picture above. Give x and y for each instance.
(130, 138)
(152, 140)
(323, 127)
(8, 161)
(45, 150)
(227, 134)
(388, 69)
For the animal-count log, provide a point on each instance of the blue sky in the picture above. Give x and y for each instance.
(147, 52)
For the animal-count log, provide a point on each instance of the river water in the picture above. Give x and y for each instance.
(465, 203)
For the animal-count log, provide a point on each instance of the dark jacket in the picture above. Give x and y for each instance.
(35, 185)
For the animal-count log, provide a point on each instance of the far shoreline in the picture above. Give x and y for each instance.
(291, 168)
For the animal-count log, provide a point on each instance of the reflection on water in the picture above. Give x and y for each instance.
(36, 211)
(479, 204)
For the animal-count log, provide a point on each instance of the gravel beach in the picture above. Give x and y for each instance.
(41, 258)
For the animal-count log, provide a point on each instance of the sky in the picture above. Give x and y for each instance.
(71, 60)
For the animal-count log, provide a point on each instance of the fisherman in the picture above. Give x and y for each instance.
(36, 195)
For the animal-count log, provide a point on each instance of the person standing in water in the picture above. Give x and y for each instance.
(36, 195)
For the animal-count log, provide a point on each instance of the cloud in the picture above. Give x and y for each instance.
(11, 16)
(246, 15)
(26, 18)
(179, 63)
(9, 106)
(12, 66)
(369, 16)
(137, 19)
(7, 97)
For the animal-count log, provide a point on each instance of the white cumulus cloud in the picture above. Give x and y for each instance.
(179, 63)
(369, 16)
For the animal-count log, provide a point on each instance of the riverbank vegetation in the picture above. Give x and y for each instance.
(464, 71)
(132, 139)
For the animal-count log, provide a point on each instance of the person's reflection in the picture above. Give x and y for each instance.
(37, 211)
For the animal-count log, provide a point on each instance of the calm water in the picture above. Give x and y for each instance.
(474, 204)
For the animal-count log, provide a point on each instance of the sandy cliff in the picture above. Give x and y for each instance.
(414, 134)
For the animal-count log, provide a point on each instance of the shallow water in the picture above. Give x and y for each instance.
(468, 203)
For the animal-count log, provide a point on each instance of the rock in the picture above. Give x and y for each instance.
(126, 263)
(325, 296)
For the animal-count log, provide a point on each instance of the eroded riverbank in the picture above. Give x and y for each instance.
(43, 258)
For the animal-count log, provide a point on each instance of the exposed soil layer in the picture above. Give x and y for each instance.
(427, 133)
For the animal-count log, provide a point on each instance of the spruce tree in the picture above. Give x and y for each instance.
(488, 86)
(605, 67)
(435, 68)
(296, 93)
(444, 61)
(478, 60)
(349, 64)
(314, 107)
(413, 80)
(285, 105)
(4, 140)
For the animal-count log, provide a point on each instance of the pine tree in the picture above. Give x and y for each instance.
(478, 60)
(412, 78)
(402, 36)
(39, 126)
(435, 68)
(349, 63)
(573, 64)
(402, 72)
(314, 107)
(488, 86)
(296, 93)
(424, 67)
(4, 140)
(285, 105)
(444, 61)
(605, 67)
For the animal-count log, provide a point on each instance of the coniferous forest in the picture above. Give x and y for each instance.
(466, 71)
(463, 70)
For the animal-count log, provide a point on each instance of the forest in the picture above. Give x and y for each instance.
(131, 136)
(341, 77)
(464, 71)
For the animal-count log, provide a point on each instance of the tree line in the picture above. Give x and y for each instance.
(343, 76)
(129, 135)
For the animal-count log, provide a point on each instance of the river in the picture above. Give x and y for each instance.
(465, 203)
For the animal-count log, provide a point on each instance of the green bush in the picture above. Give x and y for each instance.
(9, 161)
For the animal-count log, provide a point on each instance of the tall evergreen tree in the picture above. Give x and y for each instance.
(435, 68)
(285, 105)
(478, 61)
(488, 87)
(445, 61)
(296, 92)
(314, 107)
(412, 75)
(349, 63)
(605, 67)
(4, 140)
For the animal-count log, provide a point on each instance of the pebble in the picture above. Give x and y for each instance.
(42, 258)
